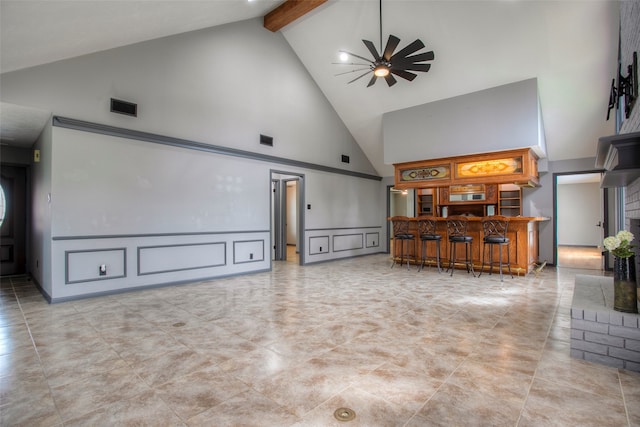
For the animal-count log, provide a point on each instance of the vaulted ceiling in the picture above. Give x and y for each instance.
(569, 46)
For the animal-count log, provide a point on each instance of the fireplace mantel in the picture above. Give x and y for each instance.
(619, 156)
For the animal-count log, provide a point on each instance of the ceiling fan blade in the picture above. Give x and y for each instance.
(357, 56)
(359, 77)
(404, 74)
(373, 80)
(418, 67)
(390, 79)
(426, 56)
(352, 71)
(412, 47)
(392, 43)
(348, 63)
(371, 48)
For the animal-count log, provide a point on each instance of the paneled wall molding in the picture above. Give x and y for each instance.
(98, 128)
(89, 266)
(344, 228)
(135, 236)
(325, 244)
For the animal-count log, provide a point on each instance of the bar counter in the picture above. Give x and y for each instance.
(522, 231)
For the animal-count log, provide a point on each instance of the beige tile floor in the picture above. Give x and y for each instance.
(290, 346)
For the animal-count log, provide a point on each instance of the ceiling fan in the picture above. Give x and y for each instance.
(386, 63)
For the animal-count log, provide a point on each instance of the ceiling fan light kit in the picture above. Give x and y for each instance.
(385, 64)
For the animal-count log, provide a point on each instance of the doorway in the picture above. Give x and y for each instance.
(399, 203)
(13, 222)
(287, 217)
(580, 220)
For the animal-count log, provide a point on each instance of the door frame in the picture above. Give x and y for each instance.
(278, 218)
(604, 214)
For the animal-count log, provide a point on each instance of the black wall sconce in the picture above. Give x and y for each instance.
(627, 87)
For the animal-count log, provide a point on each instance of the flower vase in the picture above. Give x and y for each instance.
(625, 290)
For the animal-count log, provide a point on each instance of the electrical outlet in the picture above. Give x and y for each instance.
(103, 269)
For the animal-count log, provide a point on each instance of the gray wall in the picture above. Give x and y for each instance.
(158, 214)
(41, 173)
(224, 86)
(496, 119)
(630, 42)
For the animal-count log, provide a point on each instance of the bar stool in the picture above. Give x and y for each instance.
(401, 234)
(457, 232)
(494, 229)
(427, 233)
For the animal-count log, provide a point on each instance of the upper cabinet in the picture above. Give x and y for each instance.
(518, 167)
(426, 201)
(510, 200)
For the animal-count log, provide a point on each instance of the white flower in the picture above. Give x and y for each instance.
(620, 244)
(625, 235)
(611, 243)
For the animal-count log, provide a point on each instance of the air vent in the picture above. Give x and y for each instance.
(124, 107)
(345, 159)
(266, 140)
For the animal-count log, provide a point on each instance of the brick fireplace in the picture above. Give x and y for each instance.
(598, 333)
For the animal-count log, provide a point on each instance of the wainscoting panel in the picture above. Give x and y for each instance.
(327, 244)
(347, 242)
(373, 240)
(98, 264)
(164, 259)
(134, 262)
(248, 251)
(318, 245)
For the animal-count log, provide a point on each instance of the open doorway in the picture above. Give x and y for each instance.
(287, 217)
(399, 203)
(580, 220)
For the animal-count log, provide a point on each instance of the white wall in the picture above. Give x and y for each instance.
(579, 210)
(496, 119)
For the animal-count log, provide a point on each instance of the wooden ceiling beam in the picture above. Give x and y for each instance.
(288, 12)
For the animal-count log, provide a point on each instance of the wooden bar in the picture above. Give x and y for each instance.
(522, 231)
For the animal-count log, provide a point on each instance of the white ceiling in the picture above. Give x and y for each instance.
(570, 46)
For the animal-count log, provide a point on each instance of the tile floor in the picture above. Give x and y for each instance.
(290, 346)
(586, 257)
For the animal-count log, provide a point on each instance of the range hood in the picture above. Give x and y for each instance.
(619, 156)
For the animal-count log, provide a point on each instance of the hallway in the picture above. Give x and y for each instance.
(290, 346)
(585, 257)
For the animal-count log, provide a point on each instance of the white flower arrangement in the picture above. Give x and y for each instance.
(620, 244)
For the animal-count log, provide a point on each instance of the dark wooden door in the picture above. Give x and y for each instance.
(13, 235)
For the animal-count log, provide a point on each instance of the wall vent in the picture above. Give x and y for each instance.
(266, 140)
(124, 107)
(345, 159)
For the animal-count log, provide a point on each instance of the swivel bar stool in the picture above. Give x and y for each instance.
(457, 232)
(401, 235)
(427, 233)
(494, 229)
